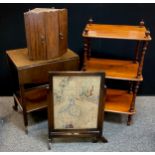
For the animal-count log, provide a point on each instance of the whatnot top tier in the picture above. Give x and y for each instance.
(116, 32)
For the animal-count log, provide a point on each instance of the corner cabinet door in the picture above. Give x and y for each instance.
(30, 33)
(40, 36)
(63, 31)
(35, 35)
(52, 30)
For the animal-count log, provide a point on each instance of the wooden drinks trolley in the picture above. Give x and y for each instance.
(118, 101)
(36, 72)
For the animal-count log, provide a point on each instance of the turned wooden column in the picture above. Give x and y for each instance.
(138, 45)
(130, 87)
(90, 21)
(86, 49)
(145, 45)
(89, 48)
(142, 58)
(132, 107)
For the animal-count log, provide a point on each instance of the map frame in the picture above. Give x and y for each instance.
(95, 133)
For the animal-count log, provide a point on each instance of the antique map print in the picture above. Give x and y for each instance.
(76, 101)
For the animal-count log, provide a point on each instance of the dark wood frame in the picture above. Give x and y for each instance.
(95, 133)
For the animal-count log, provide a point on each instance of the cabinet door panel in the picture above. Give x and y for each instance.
(28, 32)
(41, 38)
(63, 31)
(51, 25)
(31, 35)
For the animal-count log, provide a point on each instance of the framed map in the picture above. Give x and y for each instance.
(76, 102)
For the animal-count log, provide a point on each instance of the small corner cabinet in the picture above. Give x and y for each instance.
(118, 101)
(46, 33)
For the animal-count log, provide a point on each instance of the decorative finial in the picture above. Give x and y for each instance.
(141, 23)
(90, 20)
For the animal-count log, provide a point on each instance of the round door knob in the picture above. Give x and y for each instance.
(42, 38)
(61, 36)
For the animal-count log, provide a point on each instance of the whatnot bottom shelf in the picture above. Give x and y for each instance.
(35, 99)
(118, 101)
